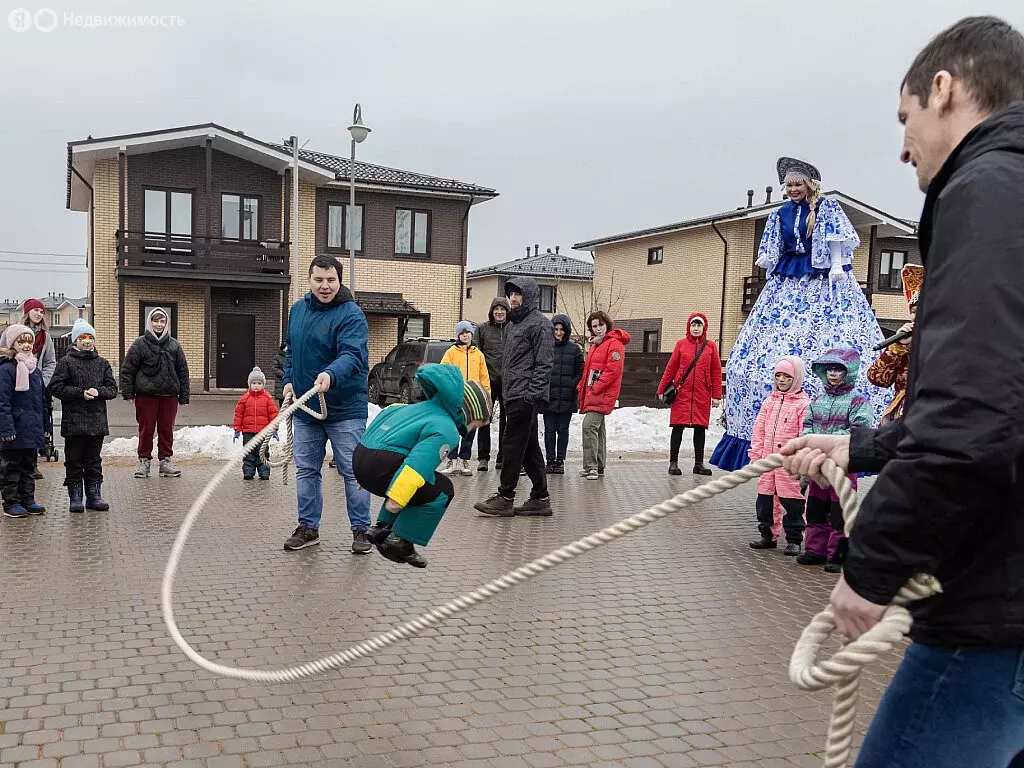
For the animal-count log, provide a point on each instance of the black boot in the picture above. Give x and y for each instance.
(75, 503)
(763, 543)
(673, 468)
(401, 551)
(558, 468)
(377, 534)
(700, 469)
(835, 563)
(93, 500)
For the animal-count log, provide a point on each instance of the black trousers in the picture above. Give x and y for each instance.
(556, 435)
(483, 447)
(521, 449)
(792, 521)
(825, 512)
(82, 459)
(676, 440)
(17, 476)
(253, 462)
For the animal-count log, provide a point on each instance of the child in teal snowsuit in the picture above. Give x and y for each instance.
(400, 451)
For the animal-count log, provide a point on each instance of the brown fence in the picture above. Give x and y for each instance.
(641, 375)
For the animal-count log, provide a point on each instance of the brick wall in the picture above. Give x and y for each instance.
(266, 307)
(191, 324)
(186, 169)
(446, 215)
(383, 337)
(105, 309)
(636, 328)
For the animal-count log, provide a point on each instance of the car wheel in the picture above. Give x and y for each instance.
(405, 393)
(375, 395)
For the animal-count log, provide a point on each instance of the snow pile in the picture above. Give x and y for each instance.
(630, 430)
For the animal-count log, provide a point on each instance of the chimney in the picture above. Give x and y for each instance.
(536, 249)
(556, 250)
(750, 198)
(549, 250)
(767, 194)
(527, 252)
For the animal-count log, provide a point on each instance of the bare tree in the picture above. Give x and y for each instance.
(583, 302)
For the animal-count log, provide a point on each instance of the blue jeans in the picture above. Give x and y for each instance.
(309, 445)
(950, 708)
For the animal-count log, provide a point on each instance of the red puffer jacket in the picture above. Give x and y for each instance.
(692, 406)
(602, 373)
(254, 411)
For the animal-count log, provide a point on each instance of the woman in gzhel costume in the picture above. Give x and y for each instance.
(810, 303)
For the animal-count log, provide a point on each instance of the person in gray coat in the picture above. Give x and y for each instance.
(526, 377)
(490, 339)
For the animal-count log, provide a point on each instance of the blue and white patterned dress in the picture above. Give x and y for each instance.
(798, 313)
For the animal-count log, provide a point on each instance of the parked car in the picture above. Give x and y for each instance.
(394, 377)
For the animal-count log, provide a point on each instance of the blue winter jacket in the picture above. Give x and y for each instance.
(329, 337)
(22, 413)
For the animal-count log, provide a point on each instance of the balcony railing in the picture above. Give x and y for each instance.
(752, 287)
(200, 255)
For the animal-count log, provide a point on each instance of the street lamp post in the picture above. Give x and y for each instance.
(359, 133)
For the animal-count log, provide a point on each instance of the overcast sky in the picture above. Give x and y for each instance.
(588, 116)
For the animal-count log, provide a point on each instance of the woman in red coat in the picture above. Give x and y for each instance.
(697, 390)
(599, 388)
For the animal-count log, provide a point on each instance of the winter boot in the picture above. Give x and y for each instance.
(811, 558)
(143, 470)
(558, 468)
(673, 468)
(495, 505)
(700, 469)
(792, 549)
(549, 468)
(835, 563)
(401, 551)
(75, 503)
(93, 501)
(168, 470)
(377, 534)
(482, 466)
(763, 543)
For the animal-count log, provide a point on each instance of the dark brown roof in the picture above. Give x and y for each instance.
(390, 304)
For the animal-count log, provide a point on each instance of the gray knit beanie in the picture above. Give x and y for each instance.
(257, 375)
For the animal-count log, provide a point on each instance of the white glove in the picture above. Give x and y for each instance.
(835, 274)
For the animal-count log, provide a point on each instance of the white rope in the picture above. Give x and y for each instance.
(843, 669)
(285, 419)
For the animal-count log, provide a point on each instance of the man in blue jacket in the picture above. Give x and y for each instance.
(327, 348)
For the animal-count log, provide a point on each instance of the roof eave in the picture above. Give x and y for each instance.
(481, 195)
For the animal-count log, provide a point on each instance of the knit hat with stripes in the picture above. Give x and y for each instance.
(476, 402)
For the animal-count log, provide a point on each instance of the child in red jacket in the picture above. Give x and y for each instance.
(254, 411)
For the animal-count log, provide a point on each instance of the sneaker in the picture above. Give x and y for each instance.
(464, 468)
(168, 470)
(16, 511)
(35, 509)
(482, 466)
(303, 537)
(377, 534)
(495, 505)
(700, 469)
(360, 543)
(549, 468)
(535, 508)
(792, 549)
(584, 472)
(248, 477)
(558, 468)
(449, 467)
(265, 477)
(593, 475)
(332, 464)
(764, 544)
(673, 468)
(143, 470)
(811, 558)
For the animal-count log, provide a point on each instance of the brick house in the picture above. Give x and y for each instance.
(198, 220)
(565, 284)
(61, 312)
(706, 264)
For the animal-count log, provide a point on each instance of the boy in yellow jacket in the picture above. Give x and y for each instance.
(470, 361)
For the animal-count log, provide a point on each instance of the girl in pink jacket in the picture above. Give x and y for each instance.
(781, 418)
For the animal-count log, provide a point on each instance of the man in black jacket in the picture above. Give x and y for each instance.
(490, 339)
(529, 352)
(949, 497)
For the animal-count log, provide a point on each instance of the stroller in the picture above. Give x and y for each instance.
(49, 451)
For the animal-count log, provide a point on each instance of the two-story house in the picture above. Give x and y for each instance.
(565, 284)
(706, 264)
(199, 220)
(60, 312)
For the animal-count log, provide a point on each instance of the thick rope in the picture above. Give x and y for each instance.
(843, 669)
(285, 419)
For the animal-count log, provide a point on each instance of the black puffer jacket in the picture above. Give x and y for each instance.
(490, 339)
(279, 373)
(949, 498)
(155, 367)
(566, 371)
(76, 372)
(529, 348)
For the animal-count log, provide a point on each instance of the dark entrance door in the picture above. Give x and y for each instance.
(236, 350)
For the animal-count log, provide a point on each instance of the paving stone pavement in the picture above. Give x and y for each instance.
(667, 648)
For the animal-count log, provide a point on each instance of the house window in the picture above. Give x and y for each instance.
(415, 328)
(469, 291)
(889, 276)
(239, 217)
(652, 341)
(655, 255)
(167, 216)
(55, 318)
(547, 298)
(412, 232)
(170, 307)
(340, 230)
